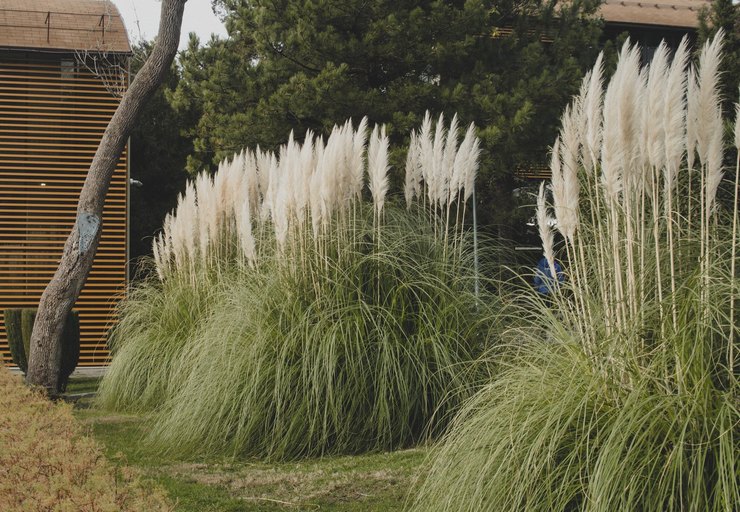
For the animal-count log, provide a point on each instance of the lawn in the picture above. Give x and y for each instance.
(375, 482)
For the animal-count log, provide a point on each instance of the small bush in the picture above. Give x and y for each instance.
(15, 338)
(46, 463)
(291, 318)
(19, 326)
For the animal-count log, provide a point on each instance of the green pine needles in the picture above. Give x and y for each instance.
(623, 393)
(291, 318)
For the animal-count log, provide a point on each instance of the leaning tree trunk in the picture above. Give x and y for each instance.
(64, 288)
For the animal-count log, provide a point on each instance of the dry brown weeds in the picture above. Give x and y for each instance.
(48, 464)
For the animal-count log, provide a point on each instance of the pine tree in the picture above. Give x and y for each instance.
(509, 66)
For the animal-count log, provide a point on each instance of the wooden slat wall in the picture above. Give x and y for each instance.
(51, 120)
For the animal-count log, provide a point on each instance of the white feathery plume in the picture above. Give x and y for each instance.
(569, 139)
(315, 199)
(545, 230)
(287, 162)
(303, 176)
(448, 160)
(556, 179)
(183, 227)
(221, 197)
(715, 170)
(709, 118)
(244, 228)
(342, 170)
(159, 257)
(349, 186)
(238, 187)
(436, 176)
(166, 243)
(692, 105)
(315, 186)
(378, 167)
(282, 198)
(329, 181)
(641, 172)
(470, 171)
(566, 200)
(674, 114)
(291, 173)
(273, 184)
(629, 96)
(655, 107)
(357, 164)
(203, 187)
(581, 120)
(460, 165)
(262, 161)
(620, 148)
(612, 157)
(708, 105)
(251, 177)
(413, 171)
(592, 111)
(426, 153)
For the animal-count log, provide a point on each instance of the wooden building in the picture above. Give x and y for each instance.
(63, 67)
(647, 23)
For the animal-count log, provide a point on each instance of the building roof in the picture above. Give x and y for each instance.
(62, 25)
(666, 13)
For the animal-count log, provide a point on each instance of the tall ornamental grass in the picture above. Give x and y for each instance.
(48, 462)
(623, 392)
(290, 316)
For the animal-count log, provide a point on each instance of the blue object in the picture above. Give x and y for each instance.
(543, 280)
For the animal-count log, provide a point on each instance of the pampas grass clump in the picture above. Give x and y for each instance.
(288, 317)
(623, 394)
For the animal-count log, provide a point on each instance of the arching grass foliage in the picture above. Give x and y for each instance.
(306, 325)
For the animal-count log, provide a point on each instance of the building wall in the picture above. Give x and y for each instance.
(53, 113)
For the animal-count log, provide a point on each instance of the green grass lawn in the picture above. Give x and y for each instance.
(82, 385)
(375, 482)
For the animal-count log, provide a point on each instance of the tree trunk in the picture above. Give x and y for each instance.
(64, 288)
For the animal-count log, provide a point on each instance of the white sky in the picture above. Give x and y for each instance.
(198, 18)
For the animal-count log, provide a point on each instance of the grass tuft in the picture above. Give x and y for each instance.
(622, 392)
(281, 364)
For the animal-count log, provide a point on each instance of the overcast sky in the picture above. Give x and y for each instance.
(198, 18)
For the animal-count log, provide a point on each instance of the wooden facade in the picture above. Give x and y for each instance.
(53, 112)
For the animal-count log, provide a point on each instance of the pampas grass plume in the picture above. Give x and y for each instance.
(436, 176)
(592, 105)
(378, 166)
(708, 96)
(359, 141)
(566, 202)
(656, 108)
(674, 112)
(545, 230)
(470, 171)
(412, 183)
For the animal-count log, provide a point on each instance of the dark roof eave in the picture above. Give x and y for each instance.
(35, 49)
(653, 26)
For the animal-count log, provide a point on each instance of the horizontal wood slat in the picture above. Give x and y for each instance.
(51, 121)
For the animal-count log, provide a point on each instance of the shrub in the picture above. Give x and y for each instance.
(19, 326)
(46, 463)
(12, 319)
(624, 395)
(291, 319)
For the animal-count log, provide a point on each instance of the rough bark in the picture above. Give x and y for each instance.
(64, 288)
